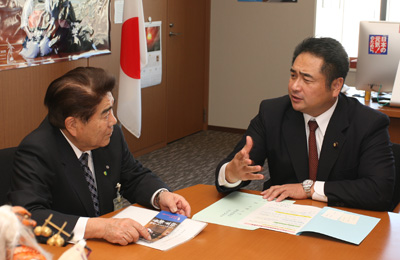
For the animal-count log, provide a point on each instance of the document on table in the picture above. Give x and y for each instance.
(186, 230)
(248, 211)
(296, 219)
(231, 209)
(283, 217)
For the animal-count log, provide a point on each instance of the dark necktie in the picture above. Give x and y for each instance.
(90, 181)
(312, 151)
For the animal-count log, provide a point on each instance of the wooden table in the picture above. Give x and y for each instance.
(220, 242)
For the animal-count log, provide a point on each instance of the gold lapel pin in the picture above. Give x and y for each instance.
(335, 144)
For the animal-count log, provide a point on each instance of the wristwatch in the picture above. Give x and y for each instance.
(157, 198)
(307, 187)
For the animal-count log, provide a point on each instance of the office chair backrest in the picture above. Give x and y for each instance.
(6, 169)
(396, 153)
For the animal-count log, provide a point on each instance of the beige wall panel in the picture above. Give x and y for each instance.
(251, 48)
(22, 94)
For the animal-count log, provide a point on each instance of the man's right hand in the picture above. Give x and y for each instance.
(241, 168)
(121, 231)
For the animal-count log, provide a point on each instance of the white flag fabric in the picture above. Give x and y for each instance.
(133, 58)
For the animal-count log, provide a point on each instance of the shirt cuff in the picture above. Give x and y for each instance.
(319, 193)
(222, 180)
(79, 229)
(154, 196)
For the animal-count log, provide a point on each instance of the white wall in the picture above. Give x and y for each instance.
(251, 48)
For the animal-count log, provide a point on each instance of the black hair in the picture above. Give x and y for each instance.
(77, 93)
(336, 61)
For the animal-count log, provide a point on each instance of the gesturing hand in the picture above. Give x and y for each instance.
(241, 168)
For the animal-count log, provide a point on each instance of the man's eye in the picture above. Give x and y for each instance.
(307, 80)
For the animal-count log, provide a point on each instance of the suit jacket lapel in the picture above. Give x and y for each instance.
(333, 140)
(74, 172)
(294, 134)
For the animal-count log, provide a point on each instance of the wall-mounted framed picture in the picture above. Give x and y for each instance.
(152, 72)
(35, 32)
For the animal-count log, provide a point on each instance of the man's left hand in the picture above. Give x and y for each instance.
(281, 192)
(174, 203)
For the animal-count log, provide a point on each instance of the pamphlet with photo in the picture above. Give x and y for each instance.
(163, 224)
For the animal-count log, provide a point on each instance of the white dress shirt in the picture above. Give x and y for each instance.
(80, 226)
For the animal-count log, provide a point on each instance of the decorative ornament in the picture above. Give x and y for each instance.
(55, 240)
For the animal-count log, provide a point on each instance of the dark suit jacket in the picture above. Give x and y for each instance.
(356, 160)
(48, 177)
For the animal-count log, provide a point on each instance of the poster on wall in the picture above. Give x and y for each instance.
(152, 73)
(34, 32)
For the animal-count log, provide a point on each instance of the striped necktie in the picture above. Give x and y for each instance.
(90, 181)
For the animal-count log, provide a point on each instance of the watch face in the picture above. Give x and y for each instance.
(308, 182)
(307, 187)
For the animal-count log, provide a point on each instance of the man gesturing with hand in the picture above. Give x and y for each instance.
(241, 167)
(319, 143)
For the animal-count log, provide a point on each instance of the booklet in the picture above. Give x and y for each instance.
(185, 231)
(296, 219)
(249, 211)
(163, 224)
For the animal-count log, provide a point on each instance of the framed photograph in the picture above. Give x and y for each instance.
(34, 32)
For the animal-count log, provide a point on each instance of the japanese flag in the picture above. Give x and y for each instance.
(133, 58)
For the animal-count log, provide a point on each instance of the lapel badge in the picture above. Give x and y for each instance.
(335, 144)
(105, 172)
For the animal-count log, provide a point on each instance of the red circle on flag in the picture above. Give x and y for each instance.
(130, 48)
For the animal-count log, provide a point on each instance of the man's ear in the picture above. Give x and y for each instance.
(336, 86)
(71, 125)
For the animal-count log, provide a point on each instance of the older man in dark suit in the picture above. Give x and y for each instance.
(353, 163)
(71, 164)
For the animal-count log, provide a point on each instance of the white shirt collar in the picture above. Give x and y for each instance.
(323, 119)
(78, 152)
